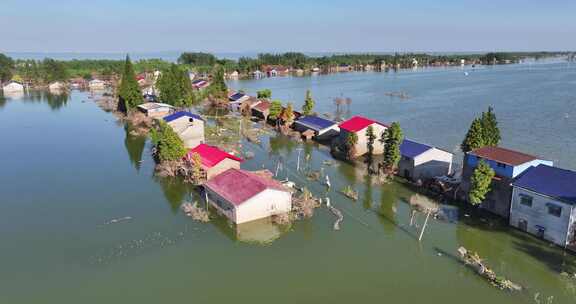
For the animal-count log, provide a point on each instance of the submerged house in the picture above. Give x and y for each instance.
(155, 109)
(214, 161)
(13, 87)
(235, 101)
(188, 126)
(244, 196)
(543, 204)
(261, 110)
(359, 125)
(321, 128)
(96, 84)
(57, 86)
(421, 162)
(507, 164)
(248, 104)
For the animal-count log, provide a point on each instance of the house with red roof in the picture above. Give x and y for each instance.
(507, 165)
(245, 196)
(359, 125)
(214, 161)
(261, 109)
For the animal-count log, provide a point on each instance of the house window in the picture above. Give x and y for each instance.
(554, 210)
(501, 165)
(525, 200)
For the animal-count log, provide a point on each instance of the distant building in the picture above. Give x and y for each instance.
(247, 105)
(257, 74)
(234, 75)
(214, 161)
(507, 164)
(156, 110)
(57, 86)
(261, 110)
(275, 70)
(96, 84)
(13, 87)
(359, 125)
(188, 126)
(322, 128)
(420, 161)
(244, 196)
(543, 204)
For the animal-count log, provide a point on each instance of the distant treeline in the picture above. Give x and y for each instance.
(48, 70)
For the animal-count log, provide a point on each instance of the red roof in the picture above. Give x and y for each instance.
(358, 123)
(262, 106)
(502, 155)
(238, 186)
(210, 155)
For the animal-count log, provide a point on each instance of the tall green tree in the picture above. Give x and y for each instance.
(175, 87)
(350, 144)
(308, 106)
(275, 109)
(491, 132)
(218, 88)
(480, 183)
(371, 138)
(169, 146)
(265, 93)
(128, 93)
(392, 139)
(6, 68)
(474, 138)
(287, 115)
(54, 70)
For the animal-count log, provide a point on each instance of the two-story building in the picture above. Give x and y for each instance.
(543, 204)
(507, 164)
(188, 126)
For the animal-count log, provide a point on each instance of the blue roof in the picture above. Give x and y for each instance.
(236, 96)
(411, 149)
(177, 115)
(315, 122)
(550, 181)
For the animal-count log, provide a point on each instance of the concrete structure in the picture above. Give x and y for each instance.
(507, 164)
(13, 87)
(188, 126)
(543, 204)
(214, 161)
(96, 84)
(358, 125)
(57, 86)
(244, 196)
(322, 128)
(420, 161)
(156, 110)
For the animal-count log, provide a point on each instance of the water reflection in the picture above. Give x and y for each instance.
(387, 210)
(134, 146)
(261, 232)
(175, 191)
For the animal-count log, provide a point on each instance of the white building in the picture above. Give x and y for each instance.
(543, 204)
(13, 87)
(96, 84)
(244, 196)
(57, 86)
(359, 125)
(420, 161)
(188, 126)
(156, 109)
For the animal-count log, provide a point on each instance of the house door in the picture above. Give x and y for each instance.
(523, 225)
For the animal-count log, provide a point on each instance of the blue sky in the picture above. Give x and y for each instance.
(288, 25)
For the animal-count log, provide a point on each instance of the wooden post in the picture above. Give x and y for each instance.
(298, 163)
(206, 197)
(424, 226)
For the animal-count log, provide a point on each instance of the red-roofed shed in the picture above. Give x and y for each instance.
(358, 125)
(214, 161)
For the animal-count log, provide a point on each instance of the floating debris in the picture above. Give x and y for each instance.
(336, 212)
(350, 193)
(313, 175)
(472, 260)
(195, 212)
(118, 220)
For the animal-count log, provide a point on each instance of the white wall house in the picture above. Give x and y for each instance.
(156, 109)
(420, 161)
(13, 87)
(244, 196)
(543, 204)
(188, 126)
(57, 86)
(359, 125)
(323, 128)
(96, 84)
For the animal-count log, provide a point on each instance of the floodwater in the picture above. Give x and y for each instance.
(83, 219)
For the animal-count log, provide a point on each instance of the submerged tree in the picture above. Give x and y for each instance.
(264, 94)
(275, 109)
(6, 68)
(350, 144)
(196, 162)
(169, 146)
(175, 87)
(129, 93)
(371, 138)
(218, 88)
(287, 115)
(308, 106)
(392, 139)
(480, 183)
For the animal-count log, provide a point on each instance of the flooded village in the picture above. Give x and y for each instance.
(255, 167)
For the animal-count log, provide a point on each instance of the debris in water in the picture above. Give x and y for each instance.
(118, 220)
(473, 260)
(195, 212)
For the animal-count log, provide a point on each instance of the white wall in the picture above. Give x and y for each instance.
(556, 227)
(267, 203)
(434, 162)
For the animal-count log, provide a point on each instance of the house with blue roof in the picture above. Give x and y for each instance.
(320, 128)
(188, 126)
(420, 161)
(543, 204)
(235, 101)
